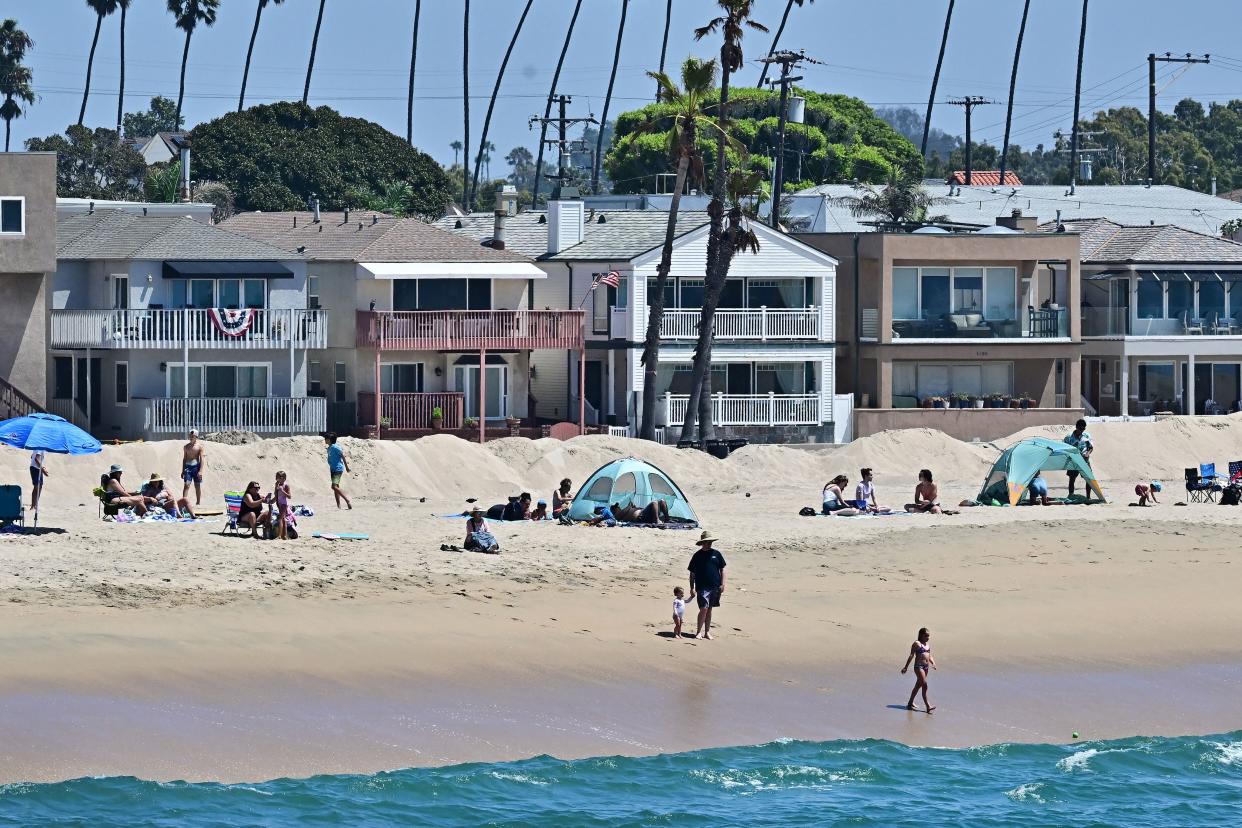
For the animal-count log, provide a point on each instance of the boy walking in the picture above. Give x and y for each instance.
(338, 465)
(707, 582)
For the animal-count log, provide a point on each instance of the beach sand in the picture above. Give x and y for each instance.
(168, 652)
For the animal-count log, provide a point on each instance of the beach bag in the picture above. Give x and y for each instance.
(807, 511)
(1231, 496)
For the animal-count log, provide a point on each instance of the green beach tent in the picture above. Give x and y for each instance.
(1018, 465)
(630, 481)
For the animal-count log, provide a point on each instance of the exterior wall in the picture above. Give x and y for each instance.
(550, 385)
(25, 261)
(964, 423)
(519, 374)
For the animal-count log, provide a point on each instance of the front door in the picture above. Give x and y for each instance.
(95, 392)
(496, 390)
(595, 386)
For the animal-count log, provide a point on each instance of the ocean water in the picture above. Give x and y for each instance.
(1187, 781)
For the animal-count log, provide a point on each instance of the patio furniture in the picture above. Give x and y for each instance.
(967, 325)
(1223, 325)
(11, 508)
(1191, 326)
(1201, 487)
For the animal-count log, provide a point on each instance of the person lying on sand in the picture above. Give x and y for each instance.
(926, 495)
(834, 497)
(540, 512)
(655, 513)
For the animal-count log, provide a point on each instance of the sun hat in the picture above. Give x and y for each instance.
(542, 502)
(476, 510)
(116, 469)
(706, 537)
(156, 476)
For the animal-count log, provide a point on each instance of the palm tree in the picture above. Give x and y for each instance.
(1082, 42)
(465, 104)
(491, 104)
(457, 147)
(698, 79)
(15, 76)
(254, 33)
(931, 99)
(488, 149)
(102, 9)
(732, 25)
(310, 66)
(776, 38)
(900, 203)
(547, 110)
(603, 120)
(668, 21)
(1013, 80)
(120, 97)
(409, 107)
(188, 14)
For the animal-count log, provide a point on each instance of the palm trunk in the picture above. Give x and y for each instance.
(931, 99)
(776, 38)
(409, 107)
(120, 98)
(254, 33)
(491, 104)
(310, 67)
(90, 64)
(603, 121)
(185, 57)
(655, 305)
(8, 125)
(1013, 80)
(465, 106)
(668, 20)
(547, 110)
(1082, 42)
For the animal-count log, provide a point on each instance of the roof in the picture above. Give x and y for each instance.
(1125, 204)
(609, 235)
(985, 178)
(367, 237)
(118, 234)
(1107, 242)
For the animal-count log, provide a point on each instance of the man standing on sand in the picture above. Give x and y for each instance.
(707, 582)
(338, 464)
(193, 461)
(1081, 440)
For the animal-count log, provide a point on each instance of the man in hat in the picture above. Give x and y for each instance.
(193, 461)
(707, 582)
(158, 492)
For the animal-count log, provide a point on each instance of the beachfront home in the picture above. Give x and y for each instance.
(161, 323)
(966, 332)
(1161, 319)
(774, 354)
(27, 256)
(427, 318)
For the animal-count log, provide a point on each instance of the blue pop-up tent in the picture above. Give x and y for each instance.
(630, 481)
(1017, 466)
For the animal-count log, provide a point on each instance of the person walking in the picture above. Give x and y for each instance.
(920, 654)
(1081, 440)
(707, 582)
(338, 465)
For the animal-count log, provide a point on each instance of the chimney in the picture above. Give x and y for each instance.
(314, 205)
(506, 205)
(1016, 221)
(185, 170)
(566, 220)
(346, 216)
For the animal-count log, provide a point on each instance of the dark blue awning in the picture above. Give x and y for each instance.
(216, 269)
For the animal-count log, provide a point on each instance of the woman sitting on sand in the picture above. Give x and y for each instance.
(926, 495)
(562, 498)
(478, 537)
(834, 497)
(117, 495)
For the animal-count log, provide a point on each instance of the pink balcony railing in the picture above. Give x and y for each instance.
(491, 330)
(405, 411)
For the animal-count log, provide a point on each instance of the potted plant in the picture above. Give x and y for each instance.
(512, 422)
(1025, 400)
(385, 422)
(470, 422)
(939, 402)
(928, 402)
(437, 418)
(977, 402)
(1015, 402)
(960, 400)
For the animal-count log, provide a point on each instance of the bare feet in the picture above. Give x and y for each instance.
(929, 710)
(911, 707)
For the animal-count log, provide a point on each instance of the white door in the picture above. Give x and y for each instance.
(496, 390)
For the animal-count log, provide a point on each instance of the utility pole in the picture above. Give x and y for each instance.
(1152, 60)
(787, 61)
(563, 122)
(969, 103)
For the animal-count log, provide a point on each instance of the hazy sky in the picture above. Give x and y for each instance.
(882, 51)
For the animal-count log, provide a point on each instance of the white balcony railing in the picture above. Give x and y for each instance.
(753, 324)
(192, 327)
(750, 409)
(261, 415)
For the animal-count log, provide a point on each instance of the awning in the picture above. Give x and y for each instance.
(1171, 275)
(449, 270)
(209, 269)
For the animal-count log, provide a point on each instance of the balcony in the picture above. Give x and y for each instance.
(413, 411)
(750, 409)
(1040, 323)
(761, 324)
(1115, 322)
(492, 330)
(261, 415)
(258, 329)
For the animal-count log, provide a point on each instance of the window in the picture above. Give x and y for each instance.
(968, 290)
(12, 216)
(1002, 293)
(122, 383)
(441, 294)
(62, 378)
(1156, 381)
(602, 298)
(626, 484)
(255, 293)
(230, 293)
(670, 292)
(1181, 299)
(601, 490)
(930, 293)
(202, 293)
(1116, 379)
(314, 385)
(401, 378)
(120, 292)
(405, 294)
(691, 293)
(338, 379)
(905, 293)
(252, 381)
(1235, 300)
(220, 381)
(1150, 299)
(936, 292)
(176, 381)
(312, 292)
(659, 485)
(779, 378)
(735, 291)
(940, 379)
(1211, 300)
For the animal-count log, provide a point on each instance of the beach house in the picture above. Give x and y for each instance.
(430, 321)
(774, 359)
(161, 323)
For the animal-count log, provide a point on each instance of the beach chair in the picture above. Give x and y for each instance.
(11, 508)
(1235, 471)
(232, 508)
(1201, 484)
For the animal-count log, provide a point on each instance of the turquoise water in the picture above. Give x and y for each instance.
(1184, 781)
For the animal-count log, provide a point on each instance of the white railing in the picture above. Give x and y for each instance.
(69, 410)
(261, 415)
(195, 327)
(750, 409)
(753, 323)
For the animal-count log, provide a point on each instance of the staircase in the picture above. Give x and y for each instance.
(13, 403)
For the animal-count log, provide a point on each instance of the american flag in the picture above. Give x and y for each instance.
(612, 278)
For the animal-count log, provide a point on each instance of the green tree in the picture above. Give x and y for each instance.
(897, 205)
(274, 156)
(93, 164)
(254, 33)
(188, 14)
(102, 9)
(522, 165)
(15, 76)
(161, 116)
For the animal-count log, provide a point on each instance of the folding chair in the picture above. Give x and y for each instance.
(232, 508)
(1196, 489)
(1235, 471)
(11, 508)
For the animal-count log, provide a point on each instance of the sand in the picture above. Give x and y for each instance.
(167, 651)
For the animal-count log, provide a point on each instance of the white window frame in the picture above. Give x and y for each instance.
(314, 378)
(203, 377)
(340, 379)
(9, 234)
(983, 269)
(241, 287)
(312, 292)
(116, 379)
(120, 291)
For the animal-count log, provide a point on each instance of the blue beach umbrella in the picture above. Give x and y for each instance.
(47, 432)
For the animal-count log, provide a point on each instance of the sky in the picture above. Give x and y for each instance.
(882, 51)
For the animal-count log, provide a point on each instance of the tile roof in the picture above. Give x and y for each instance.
(609, 235)
(1107, 242)
(367, 237)
(985, 178)
(118, 234)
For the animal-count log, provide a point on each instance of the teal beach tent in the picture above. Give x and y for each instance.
(630, 481)
(1018, 465)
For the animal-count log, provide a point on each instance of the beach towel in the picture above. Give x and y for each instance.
(868, 516)
(343, 536)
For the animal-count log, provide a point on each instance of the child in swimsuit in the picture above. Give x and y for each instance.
(920, 654)
(679, 610)
(282, 495)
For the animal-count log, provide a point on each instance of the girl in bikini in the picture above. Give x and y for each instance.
(920, 654)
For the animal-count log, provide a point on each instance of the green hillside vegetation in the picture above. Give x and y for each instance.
(841, 140)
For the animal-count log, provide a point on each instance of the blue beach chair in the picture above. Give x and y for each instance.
(11, 508)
